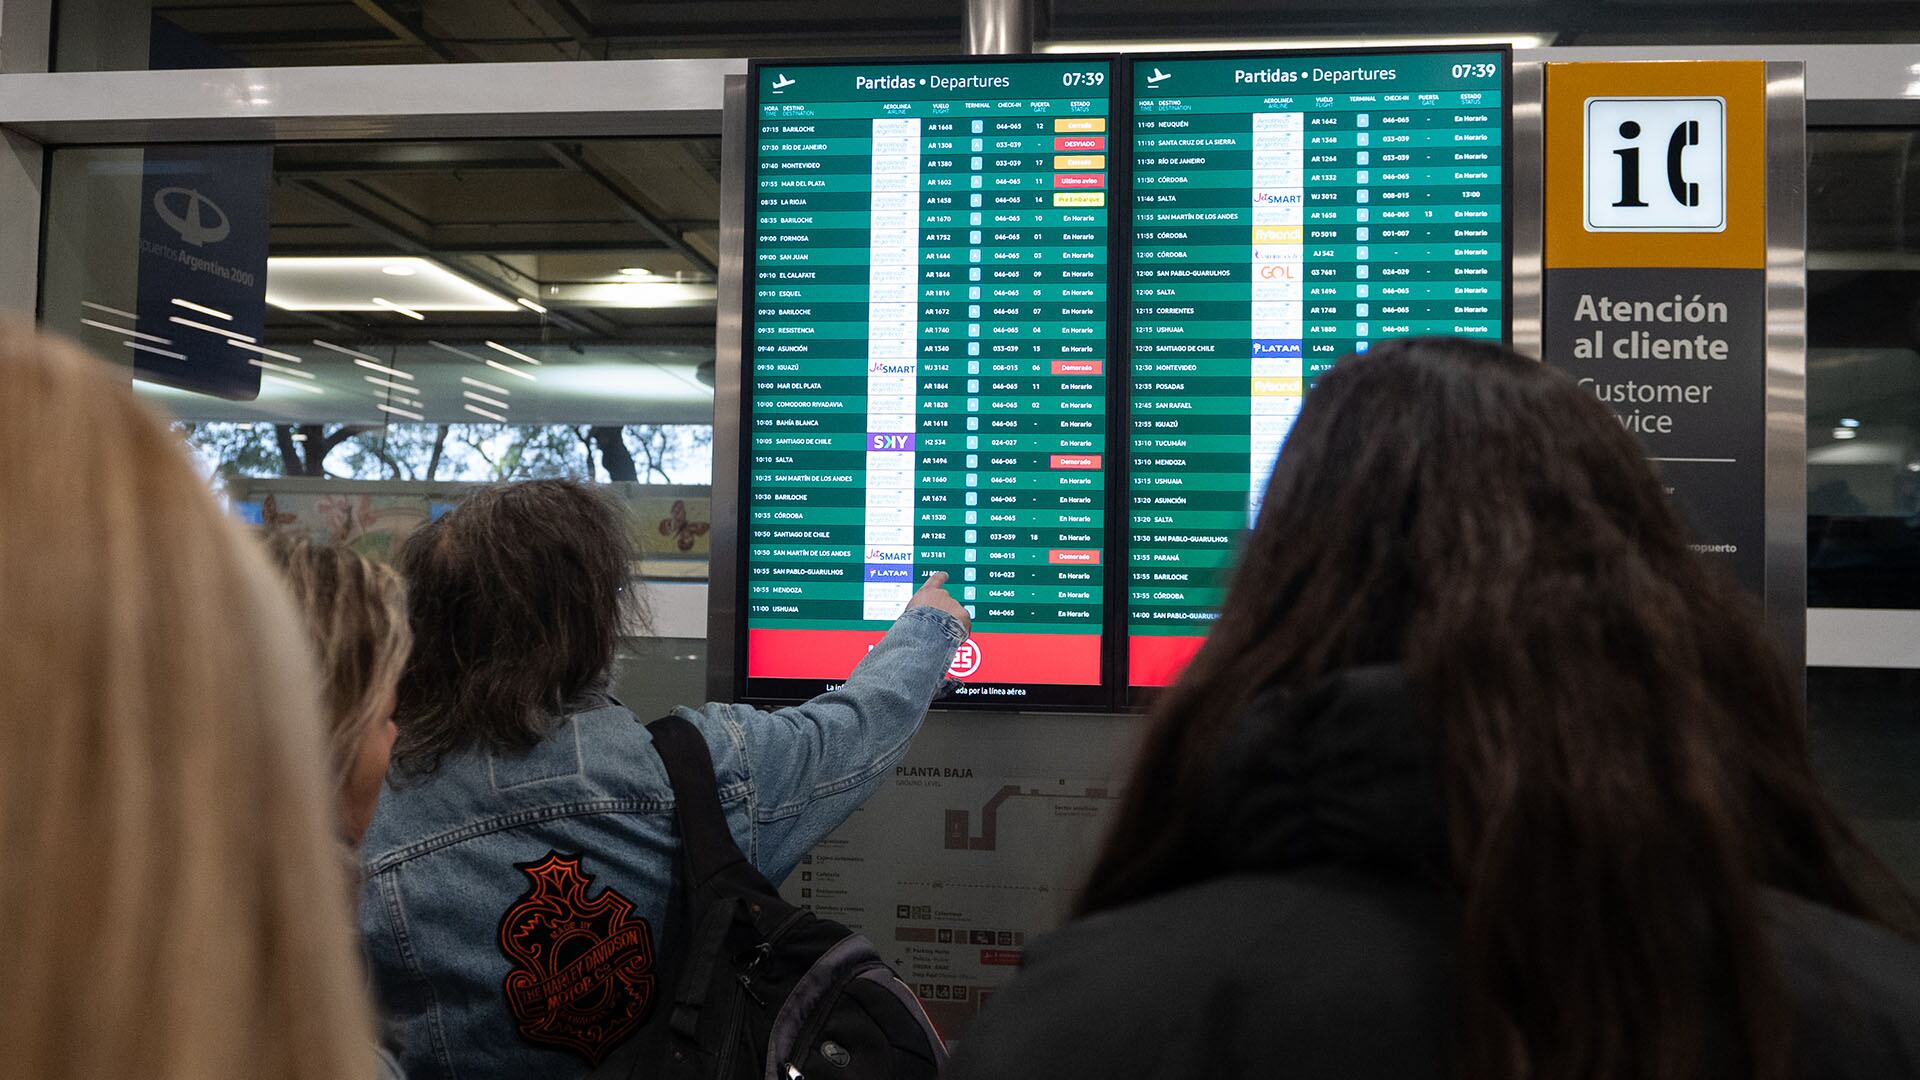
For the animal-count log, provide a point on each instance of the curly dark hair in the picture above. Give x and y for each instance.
(517, 598)
(1623, 757)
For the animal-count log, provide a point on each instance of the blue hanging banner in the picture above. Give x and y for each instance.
(204, 218)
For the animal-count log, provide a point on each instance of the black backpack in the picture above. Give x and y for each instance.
(765, 991)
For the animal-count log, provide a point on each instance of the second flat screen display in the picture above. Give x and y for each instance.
(929, 349)
(1286, 211)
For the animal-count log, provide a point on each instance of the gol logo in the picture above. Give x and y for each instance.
(966, 660)
(190, 219)
(583, 968)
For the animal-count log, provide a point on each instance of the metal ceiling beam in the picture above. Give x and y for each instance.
(412, 245)
(1101, 19)
(530, 247)
(560, 100)
(632, 202)
(408, 29)
(570, 21)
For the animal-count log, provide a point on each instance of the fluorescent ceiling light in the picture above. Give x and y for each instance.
(1878, 453)
(498, 366)
(515, 353)
(529, 305)
(158, 352)
(501, 390)
(399, 309)
(347, 283)
(1844, 433)
(264, 351)
(458, 352)
(383, 369)
(397, 411)
(202, 309)
(278, 381)
(637, 294)
(222, 331)
(1518, 41)
(281, 368)
(636, 271)
(155, 338)
(105, 310)
(478, 411)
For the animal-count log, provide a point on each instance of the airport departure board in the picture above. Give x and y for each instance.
(927, 355)
(1286, 211)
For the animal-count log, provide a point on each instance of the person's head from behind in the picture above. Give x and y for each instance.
(1618, 746)
(174, 895)
(517, 599)
(356, 616)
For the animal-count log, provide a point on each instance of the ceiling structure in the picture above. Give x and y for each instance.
(616, 240)
(523, 282)
(289, 32)
(604, 247)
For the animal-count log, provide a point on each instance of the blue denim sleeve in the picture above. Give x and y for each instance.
(812, 765)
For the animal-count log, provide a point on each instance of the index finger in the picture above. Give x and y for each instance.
(935, 580)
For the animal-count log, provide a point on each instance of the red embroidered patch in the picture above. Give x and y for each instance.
(583, 968)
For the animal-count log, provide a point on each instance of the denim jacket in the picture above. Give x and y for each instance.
(520, 912)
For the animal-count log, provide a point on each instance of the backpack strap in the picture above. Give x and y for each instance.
(704, 837)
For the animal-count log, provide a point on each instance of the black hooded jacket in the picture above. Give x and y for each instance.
(1324, 952)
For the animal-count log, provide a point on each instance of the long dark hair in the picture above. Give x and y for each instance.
(1620, 749)
(516, 597)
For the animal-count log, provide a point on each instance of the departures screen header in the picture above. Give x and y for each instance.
(1043, 324)
(1285, 212)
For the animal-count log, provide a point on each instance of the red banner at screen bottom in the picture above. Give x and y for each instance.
(1157, 661)
(1024, 659)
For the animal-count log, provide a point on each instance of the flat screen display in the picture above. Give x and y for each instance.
(927, 331)
(1286, 210)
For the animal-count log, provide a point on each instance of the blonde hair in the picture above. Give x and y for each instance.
(356, 615)
(171, 890)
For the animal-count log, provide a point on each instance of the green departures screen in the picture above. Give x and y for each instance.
(928, 331)
(1286, 211)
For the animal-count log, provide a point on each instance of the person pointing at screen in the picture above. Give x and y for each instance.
(519, 779)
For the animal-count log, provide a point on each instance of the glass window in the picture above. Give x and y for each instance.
(350, 336)
(1863, 368)
(1863, 465)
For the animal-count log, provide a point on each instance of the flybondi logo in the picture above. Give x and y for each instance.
(198, 219)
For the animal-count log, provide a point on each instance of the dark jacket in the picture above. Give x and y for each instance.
(1325, 948)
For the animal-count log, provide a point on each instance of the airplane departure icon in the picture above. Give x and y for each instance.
(781, 82)
(1157, 77)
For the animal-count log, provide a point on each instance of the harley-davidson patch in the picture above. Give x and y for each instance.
(583, 968)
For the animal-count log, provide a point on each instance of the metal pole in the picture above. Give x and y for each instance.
(999, 26)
